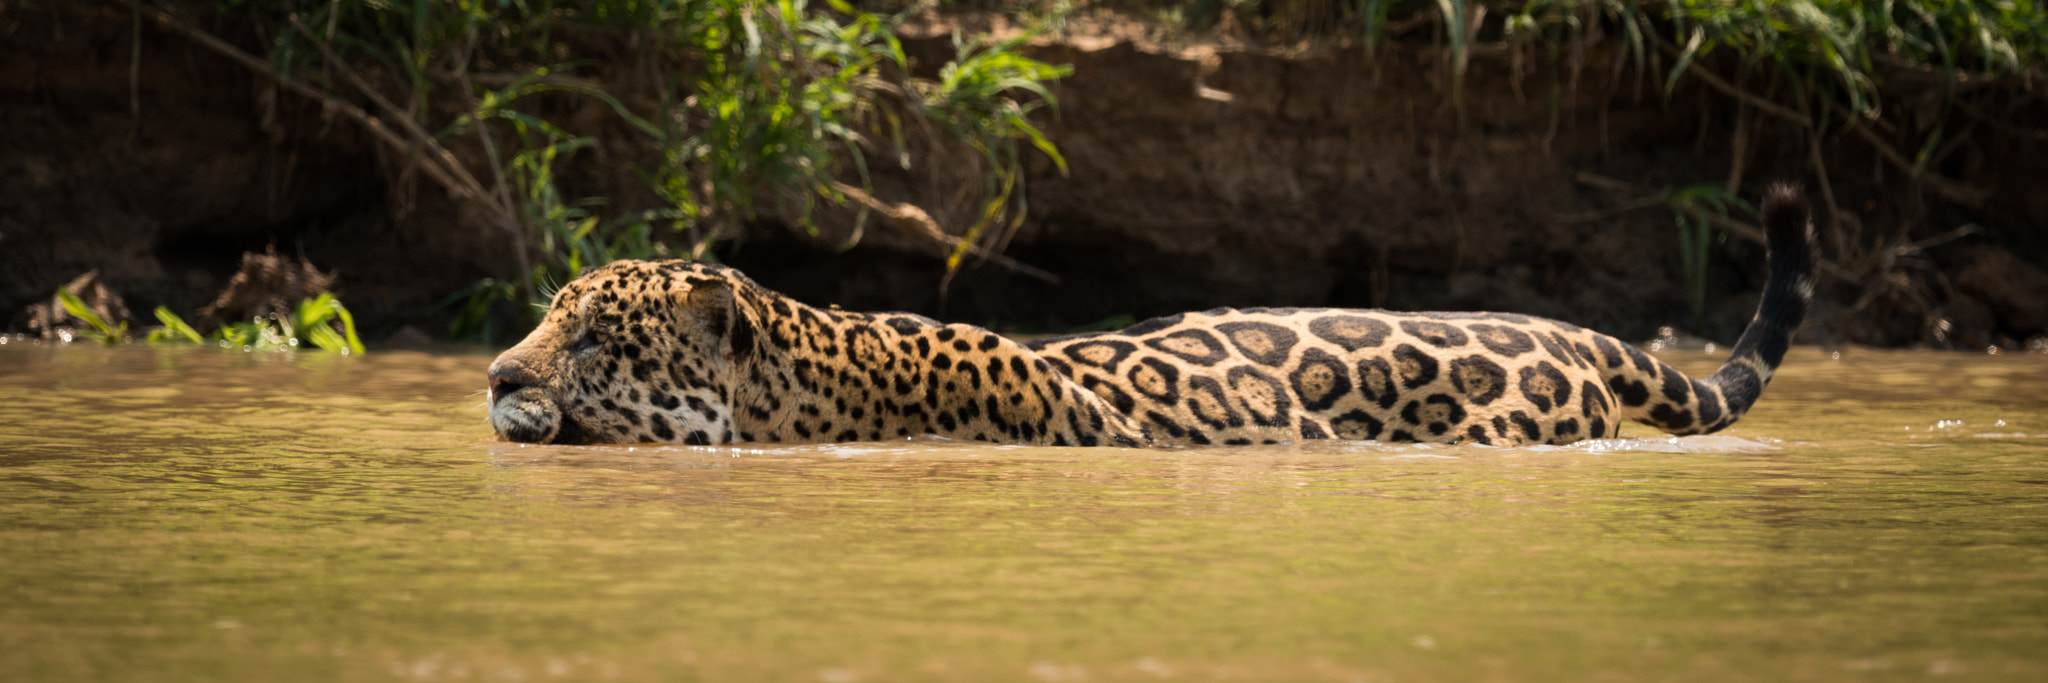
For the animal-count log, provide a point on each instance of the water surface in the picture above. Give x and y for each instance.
(192, 514)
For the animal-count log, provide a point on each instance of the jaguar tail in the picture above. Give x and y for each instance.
(1653, 392)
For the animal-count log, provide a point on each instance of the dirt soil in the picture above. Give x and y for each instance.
(1199, 178)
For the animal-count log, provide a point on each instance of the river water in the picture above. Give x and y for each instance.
(192, 514)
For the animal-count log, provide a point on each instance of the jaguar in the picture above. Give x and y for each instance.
(697, 353)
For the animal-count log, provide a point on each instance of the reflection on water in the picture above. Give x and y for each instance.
(187, 514)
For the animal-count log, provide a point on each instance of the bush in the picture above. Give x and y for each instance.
(774, 107)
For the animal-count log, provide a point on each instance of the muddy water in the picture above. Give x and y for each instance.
(191, 514)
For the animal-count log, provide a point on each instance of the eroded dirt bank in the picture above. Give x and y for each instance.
(1197, 180)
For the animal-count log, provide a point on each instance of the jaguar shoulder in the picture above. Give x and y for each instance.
(678, 351)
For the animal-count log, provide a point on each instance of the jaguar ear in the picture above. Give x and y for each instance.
(713, 305)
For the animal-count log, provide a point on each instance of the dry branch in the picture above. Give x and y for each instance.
(1732, 90)
(416, 144)
(1950, 189)
(424, 141)
(501, 80)
(911, 219)
(1660, 198)
(370, 122)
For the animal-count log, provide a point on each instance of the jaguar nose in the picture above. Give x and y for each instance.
(507, 378)
(501, 385)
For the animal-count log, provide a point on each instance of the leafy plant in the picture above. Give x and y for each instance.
(99, 330)
(174, 329)
(320, 322)
(969, 100)
(326, 323)
(766, 108)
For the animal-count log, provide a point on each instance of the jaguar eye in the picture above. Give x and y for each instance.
(584, 343)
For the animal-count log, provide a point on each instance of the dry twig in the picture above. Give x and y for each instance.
(909, 218)
(370, 122)
(415, 143)
(1661, 198)
(1953, 190)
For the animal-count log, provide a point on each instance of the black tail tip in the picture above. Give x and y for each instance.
(1785, 211)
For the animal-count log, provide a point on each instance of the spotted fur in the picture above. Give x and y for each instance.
(686, 352)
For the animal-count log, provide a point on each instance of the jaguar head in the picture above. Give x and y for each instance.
(633, 352)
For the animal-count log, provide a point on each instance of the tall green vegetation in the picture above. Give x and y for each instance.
(753, 109)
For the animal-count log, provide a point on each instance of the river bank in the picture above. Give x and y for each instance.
(1198, 176)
